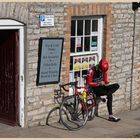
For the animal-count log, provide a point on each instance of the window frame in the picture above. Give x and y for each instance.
(98, 51)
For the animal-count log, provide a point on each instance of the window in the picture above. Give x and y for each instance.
(86, 45)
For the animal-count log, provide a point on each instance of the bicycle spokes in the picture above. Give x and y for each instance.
(72, 114)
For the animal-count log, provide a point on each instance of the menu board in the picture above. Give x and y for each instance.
(49, 64)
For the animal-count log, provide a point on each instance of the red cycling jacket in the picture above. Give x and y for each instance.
(90, 78)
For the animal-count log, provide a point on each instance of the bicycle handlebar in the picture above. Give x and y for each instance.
(59, 94)
(71, 84)
(68, 84)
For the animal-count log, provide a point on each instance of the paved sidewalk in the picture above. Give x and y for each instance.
(100, 127)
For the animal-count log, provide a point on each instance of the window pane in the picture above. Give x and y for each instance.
(92, 60)
(77, 63)
(79, 27)
(73, 27)
(87, 44)
(94, 43)
(84, 62)
(94, 25)
(72, 48)
(79, 44)
(71, 63)
(87, 27)
(77, 76)
(84, 72)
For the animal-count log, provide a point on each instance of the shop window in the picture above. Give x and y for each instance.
(86, 45)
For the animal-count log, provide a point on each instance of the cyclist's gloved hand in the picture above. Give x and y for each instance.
(102, 83)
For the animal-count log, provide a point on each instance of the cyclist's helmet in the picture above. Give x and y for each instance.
(103, 65)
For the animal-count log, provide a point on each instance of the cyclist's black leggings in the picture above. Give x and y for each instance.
(106, 90)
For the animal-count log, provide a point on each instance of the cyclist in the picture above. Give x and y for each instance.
(99, 83)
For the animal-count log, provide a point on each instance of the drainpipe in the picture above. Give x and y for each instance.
(135, 6)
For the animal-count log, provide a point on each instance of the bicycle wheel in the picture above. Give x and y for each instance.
(91, 113)
(91, 105)
(73, 112)
(53, 116)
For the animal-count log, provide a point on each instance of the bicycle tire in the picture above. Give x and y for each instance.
(91, 113)
(72, 114)
(53, 116)
(91, 110)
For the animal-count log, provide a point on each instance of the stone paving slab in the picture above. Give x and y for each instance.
(100, 127)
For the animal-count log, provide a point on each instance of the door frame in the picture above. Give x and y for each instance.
(6, 24)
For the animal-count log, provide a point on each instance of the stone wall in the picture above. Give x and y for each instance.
(40, 99)
(122, 42)
(117, 46)
(16, 11)
(136, 74)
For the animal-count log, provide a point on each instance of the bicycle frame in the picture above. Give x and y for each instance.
(78, 108)
(75, 88)
(88, 95)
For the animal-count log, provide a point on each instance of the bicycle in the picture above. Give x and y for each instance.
(77, 109)
(74, 110)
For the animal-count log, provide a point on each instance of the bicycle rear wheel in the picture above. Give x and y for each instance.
(73, 112)
(91, 113)
(91, 105)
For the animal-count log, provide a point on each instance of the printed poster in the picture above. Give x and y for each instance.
(85, 62)
(92, 61)
(77, 63)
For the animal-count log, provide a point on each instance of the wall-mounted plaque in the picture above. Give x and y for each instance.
(46, 20)
(49, 64)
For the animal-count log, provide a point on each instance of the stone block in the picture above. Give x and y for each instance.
(38, 117)
(41, 110)
(37, 92)
(119, 64)
(32, 113)
(126, 68)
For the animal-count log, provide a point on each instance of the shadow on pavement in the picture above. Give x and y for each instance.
(102, 117)
(53, 119)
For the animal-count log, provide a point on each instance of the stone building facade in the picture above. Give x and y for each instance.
(117, 46)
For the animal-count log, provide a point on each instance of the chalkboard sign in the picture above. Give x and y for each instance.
(49, 65)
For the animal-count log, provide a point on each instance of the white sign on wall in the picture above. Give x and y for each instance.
(46, 20)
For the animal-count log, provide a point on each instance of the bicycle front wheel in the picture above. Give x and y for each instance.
(73, 112)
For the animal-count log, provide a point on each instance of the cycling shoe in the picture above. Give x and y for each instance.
(114, 119)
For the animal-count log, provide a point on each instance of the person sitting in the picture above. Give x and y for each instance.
(98, 81)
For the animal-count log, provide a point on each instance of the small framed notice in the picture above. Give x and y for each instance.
(46, 20)
(49, 64)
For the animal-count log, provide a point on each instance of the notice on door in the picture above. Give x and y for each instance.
(50, 55)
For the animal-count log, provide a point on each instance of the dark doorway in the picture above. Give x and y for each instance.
(9, 73)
